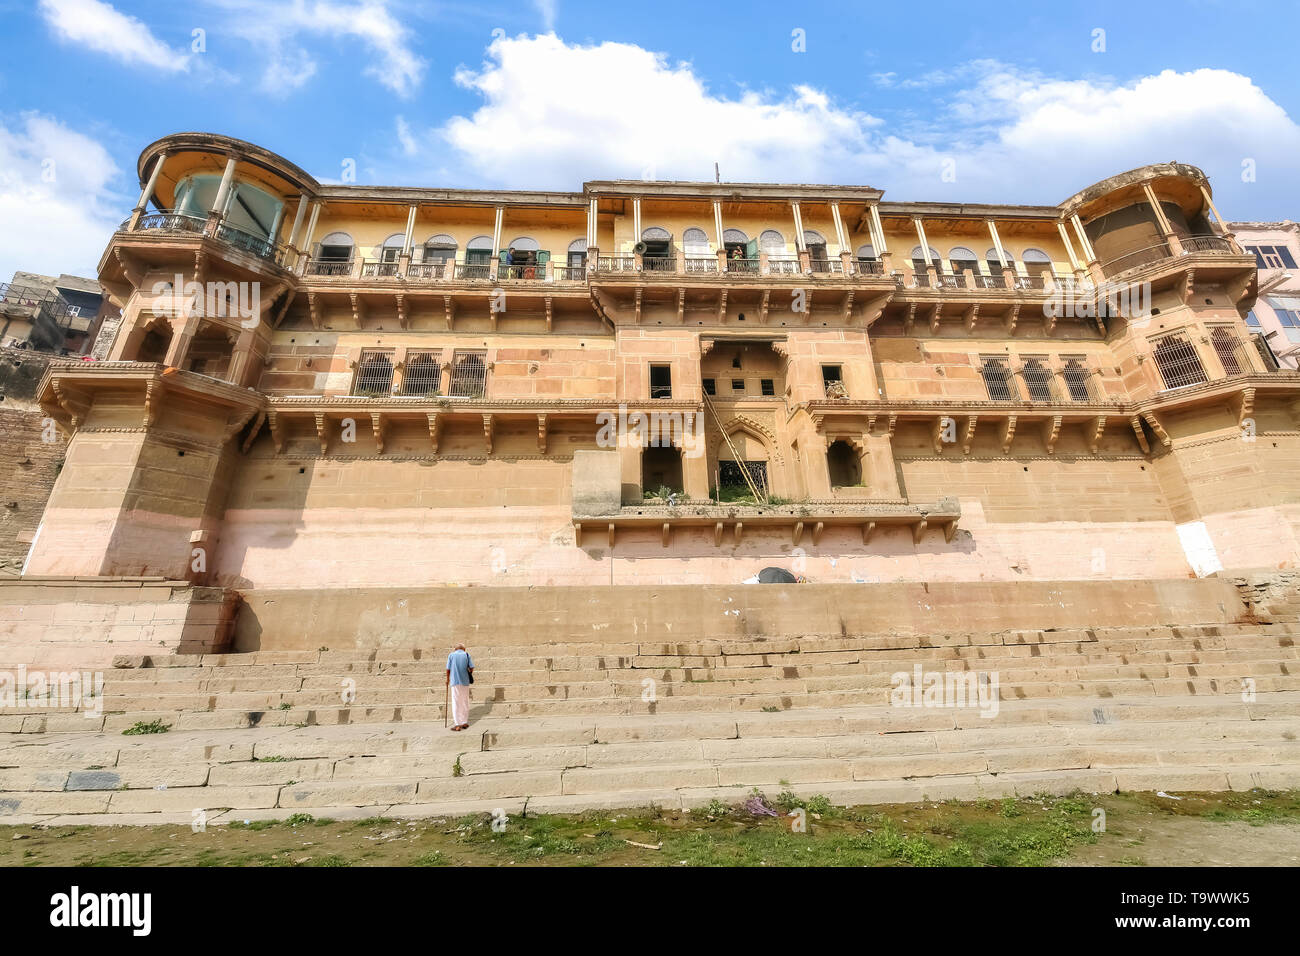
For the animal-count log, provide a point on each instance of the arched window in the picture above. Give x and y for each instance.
(694, 241)
(868, 261)
(995, 264)
(918, 264)
(524, 244)
(734, 235)
(392, 247)
(1036, 261)
(439, 248)
(336, 247)
(772, 242)
(577, 254)
(333, 255)
(478, 251)
(657, 244)
(815, 243)
(961, 259)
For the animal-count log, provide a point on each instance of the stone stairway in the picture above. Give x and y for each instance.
(579, 724)
(857, 755)
(289, 688)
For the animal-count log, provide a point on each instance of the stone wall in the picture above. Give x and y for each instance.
(88, 622)
(435, 618)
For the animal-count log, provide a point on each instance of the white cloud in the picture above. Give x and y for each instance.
(1015, 135)
(100, 27)
(275, 29)
(55, 182)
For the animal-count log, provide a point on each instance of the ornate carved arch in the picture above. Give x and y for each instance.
(756, 430)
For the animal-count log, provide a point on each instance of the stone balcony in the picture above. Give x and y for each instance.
(805, 521)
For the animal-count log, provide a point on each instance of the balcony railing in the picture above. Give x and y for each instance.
(869, 267)
(1136, 259)
(258, 245)
(428, 270)
(529, 271)
(570, 273)
(1030, 283)
(701, 264)
(375, 269)
(1208, 244)
(824, 266)
(616, 264)
(168, 222)
(329, 267)
(743, 266)
(947, 281)
(473, 270)
(659, 263)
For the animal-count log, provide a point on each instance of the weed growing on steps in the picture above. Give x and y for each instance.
(456, 769)
(149, 727)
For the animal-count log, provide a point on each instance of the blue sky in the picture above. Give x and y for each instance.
(1014, 102)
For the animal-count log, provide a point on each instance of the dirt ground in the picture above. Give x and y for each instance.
(1232, 829)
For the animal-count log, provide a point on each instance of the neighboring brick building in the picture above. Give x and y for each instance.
(31, 463)
(60, 314)
(410, 386)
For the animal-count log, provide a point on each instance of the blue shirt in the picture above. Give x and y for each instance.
(459, 663)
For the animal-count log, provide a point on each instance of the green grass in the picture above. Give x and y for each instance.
(1027, 831)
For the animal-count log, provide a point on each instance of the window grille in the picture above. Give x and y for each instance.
(468, 375)
(1227, 347)
(1038, 380)
(374, 374)
(423, 373)
(1076, 377)
(997, 378)
(1178, 362)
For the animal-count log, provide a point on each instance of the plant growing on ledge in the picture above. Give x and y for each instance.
(149, 727)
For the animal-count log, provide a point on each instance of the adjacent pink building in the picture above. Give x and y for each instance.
(1276, 315)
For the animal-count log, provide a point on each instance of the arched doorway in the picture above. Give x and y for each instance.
(155, 342)
(661, 467)
(843, 464)
(742, 454)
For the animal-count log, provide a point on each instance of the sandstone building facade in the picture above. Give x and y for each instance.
(391, 386)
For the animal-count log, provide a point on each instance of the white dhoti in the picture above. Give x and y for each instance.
(459, 704)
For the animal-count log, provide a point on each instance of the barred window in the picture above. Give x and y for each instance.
(1038, 379)
(374, 374)
(1178, 362)
(1076, 375)
(468, 374)
(423, 373)
(997, 378)
(1227, 347)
